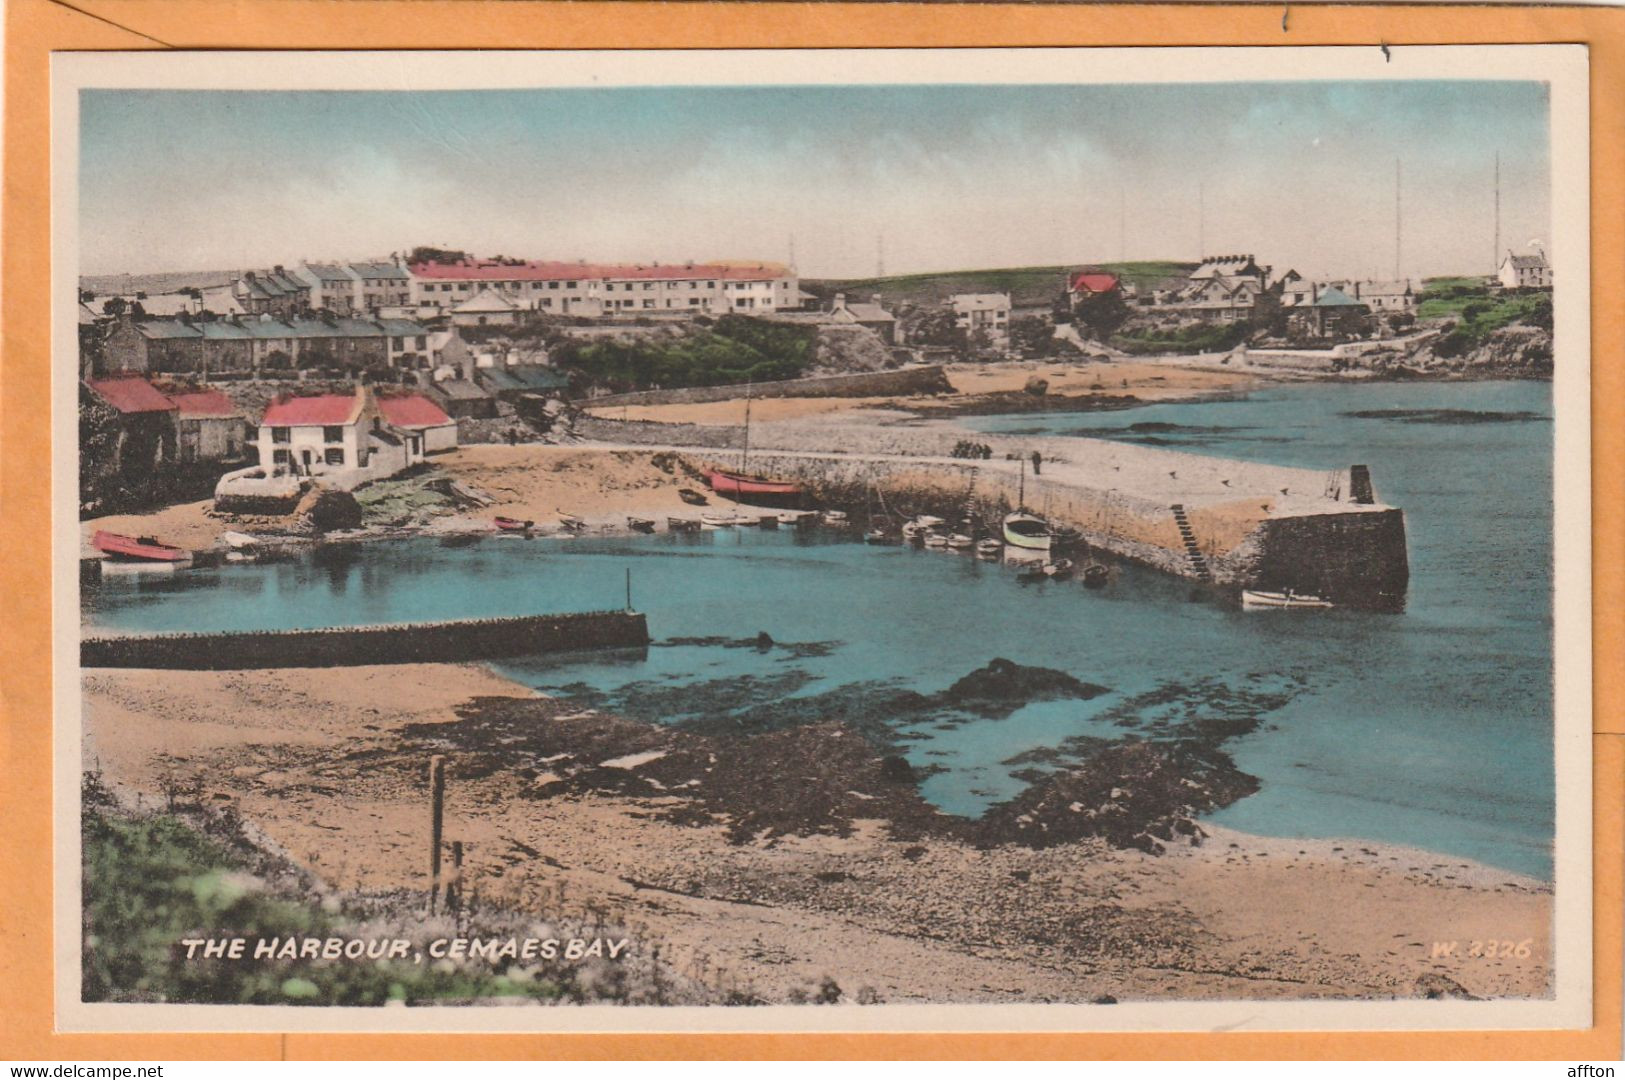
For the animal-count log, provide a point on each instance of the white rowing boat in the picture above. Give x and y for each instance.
(1258, 598)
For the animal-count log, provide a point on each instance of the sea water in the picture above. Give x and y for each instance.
(1432, 727)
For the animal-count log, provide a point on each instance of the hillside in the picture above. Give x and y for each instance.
(1027, 285)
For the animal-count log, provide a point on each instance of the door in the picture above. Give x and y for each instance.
(304, 456)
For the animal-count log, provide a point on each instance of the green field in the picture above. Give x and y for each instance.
(1027, 285)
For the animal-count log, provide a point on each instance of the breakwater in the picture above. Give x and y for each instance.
(904, 382)
(454, 641)
(1231, 523)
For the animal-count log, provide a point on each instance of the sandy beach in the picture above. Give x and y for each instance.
(329, 765)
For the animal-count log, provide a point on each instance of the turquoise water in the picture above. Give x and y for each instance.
(1431, 728)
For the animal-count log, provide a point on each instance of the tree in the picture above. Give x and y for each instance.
(114, 306)
(1032, 336)
(1101, 313)
(436, 255)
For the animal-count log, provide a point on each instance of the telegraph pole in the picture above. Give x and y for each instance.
(1397, 220)
(1495, 265)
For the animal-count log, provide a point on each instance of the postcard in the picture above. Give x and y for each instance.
(819, 540)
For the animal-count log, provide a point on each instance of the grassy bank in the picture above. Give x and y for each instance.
(155, 880)
(1026, 284)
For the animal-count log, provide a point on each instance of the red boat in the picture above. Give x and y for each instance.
(508, 524)
(743, 488)
(130, 547)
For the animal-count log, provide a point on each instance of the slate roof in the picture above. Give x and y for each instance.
(522, 377)
(381, 270)
(329, 273)
(130, 394)
(1527, 262)
(460, 390)
(1335, 297)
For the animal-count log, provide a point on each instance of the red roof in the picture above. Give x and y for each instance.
(325, 409)
(1093, 282)
(567, 271)
(204, 405)
(131, 394)
(412, 411)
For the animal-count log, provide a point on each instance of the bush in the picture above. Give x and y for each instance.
(735, 349)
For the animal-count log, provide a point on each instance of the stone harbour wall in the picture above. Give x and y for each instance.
(902, 382)
(405, 643)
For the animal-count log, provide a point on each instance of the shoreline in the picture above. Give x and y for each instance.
(327, 764)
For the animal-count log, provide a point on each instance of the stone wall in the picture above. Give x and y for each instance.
(1351, 554)
(902, 382)
(408, 643)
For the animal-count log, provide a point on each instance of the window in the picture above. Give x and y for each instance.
(333, 433)
(281, 434)
(422, 343)
(281, 457)
(334, 455)
(552, 284)
(547, 301)
(648, 303)
(571, 284)
(647, 285)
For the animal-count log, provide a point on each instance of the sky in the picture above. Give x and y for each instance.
(921, 178)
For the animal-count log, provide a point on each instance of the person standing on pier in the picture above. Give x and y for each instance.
(1038, 462)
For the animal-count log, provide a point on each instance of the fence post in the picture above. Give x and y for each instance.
(437, 789)
(454, 887)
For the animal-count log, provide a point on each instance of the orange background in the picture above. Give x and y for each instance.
(36, 27)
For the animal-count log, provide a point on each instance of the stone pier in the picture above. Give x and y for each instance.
(1234, 523)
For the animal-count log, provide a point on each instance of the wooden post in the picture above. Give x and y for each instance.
(454, 887)
(629, 588)
(437, 788)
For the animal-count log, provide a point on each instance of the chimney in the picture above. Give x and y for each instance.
(1356, 290)
(876, 299)
(277, 268)
(839, 304)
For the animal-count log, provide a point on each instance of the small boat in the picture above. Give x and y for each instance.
(743, 488)
(836, 519)
(989, 548)
(1257, 598)
(1059, 570)
(936, 540)
(240, 540)
(677, 524)
(720, 521)
(960, 542)
(1029, 531)
(1095, 576)
(877, 536)
(798, 519)
(926, 521)
(692, 497)
(142, 548)
(571, 523)
(508, 524)
(913, 530)
(642, 525)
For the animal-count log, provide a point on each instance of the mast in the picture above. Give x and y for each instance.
(1021, 499)
(744, 459)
